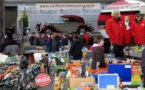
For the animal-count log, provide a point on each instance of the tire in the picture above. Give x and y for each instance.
(48, 31)
(82, 30)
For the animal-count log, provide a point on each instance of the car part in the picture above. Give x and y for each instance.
(48, 30)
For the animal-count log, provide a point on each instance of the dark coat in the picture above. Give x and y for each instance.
(43, 41)
(64, 42)
(91, 41)
(31, 40)
(97, 56)
(143, 59)
(57, 38)
(48, 45)
(76, 48)
(8, 41)
(24, 62)
(36, 41)
(82, 39)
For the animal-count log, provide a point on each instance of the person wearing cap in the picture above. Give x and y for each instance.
(127, 27)
(114, 29)
(139, 30)
(8, 41)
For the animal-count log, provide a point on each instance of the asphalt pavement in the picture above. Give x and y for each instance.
(49, 87)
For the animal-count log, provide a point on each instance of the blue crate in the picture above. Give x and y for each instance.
(123, 70)
(108, 79)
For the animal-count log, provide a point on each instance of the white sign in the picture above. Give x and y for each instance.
(68, 6)
(88, 11)
(127, 7)
(32, 10)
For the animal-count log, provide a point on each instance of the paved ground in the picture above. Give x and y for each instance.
(49, 87)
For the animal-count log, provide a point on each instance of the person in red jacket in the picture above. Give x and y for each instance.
(127, 27)
(139, 30)
(86, 36)
(114, 29)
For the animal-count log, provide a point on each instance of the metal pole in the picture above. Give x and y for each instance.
(22, 39)
(1, 20)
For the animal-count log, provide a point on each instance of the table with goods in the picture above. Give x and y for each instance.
(118, 75)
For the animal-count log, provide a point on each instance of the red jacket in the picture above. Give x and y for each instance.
(127, 34)
(114, 29)
(139, 32)
(86, 36)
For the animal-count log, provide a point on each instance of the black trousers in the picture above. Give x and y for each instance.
(46, 69)
(77, 57)
(118, 51)
(107, 45)
(143, 71)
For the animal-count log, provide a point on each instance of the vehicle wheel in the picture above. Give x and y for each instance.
(82, 30)
(48, 30)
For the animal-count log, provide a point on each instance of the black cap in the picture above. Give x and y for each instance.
(138, 14)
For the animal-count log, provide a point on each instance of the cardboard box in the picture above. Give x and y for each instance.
(56, 83)
(77, 82)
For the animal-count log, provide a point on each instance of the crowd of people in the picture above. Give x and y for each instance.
(76, 42)
(121, 32)
(124, 32)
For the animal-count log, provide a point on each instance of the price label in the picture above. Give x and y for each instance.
(110, 87)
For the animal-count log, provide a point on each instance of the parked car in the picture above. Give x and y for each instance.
(67, 23)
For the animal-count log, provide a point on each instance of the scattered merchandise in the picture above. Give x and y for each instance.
(78, 73)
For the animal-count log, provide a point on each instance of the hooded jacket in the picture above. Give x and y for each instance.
(139, 32)
(114, 30)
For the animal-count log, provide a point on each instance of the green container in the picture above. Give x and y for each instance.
(136, 79)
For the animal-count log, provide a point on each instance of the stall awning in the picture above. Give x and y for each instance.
(121, 5)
